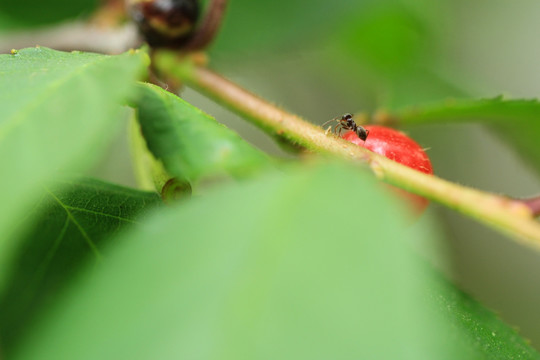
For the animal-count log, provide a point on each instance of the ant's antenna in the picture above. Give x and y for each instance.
(337, 118)
(329, 121)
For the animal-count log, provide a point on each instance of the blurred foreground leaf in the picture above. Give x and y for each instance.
(190, 143)
(515, 121)
(293, 266)
(73, 222)
(58, 111)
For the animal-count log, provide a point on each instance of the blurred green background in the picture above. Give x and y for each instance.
(320, 59)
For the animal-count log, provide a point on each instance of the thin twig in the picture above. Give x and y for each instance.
(209, 27)
(507, 215)
(73, 36)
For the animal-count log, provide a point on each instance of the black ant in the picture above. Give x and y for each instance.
(346, 122)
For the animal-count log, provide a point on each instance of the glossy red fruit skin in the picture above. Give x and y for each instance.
(396, 146)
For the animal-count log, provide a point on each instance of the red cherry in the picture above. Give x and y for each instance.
(396, 146)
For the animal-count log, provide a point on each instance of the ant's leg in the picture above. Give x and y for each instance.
(327, 130)
(337, 129)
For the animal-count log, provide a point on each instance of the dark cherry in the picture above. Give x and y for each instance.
(165, 23)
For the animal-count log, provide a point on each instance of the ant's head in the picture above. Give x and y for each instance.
(346, 117)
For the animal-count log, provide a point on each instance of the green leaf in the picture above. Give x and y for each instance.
(483, 330)
(190, 143)
(69, 228)
(516, 121)
(32, 13)
(58, 111)
(292, 266)
(488, 110)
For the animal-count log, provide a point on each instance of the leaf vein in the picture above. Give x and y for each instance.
(100, 214)
(87, 238)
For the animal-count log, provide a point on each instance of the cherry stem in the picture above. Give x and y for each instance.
(533, 204)
(507, 215)
(209, 27)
